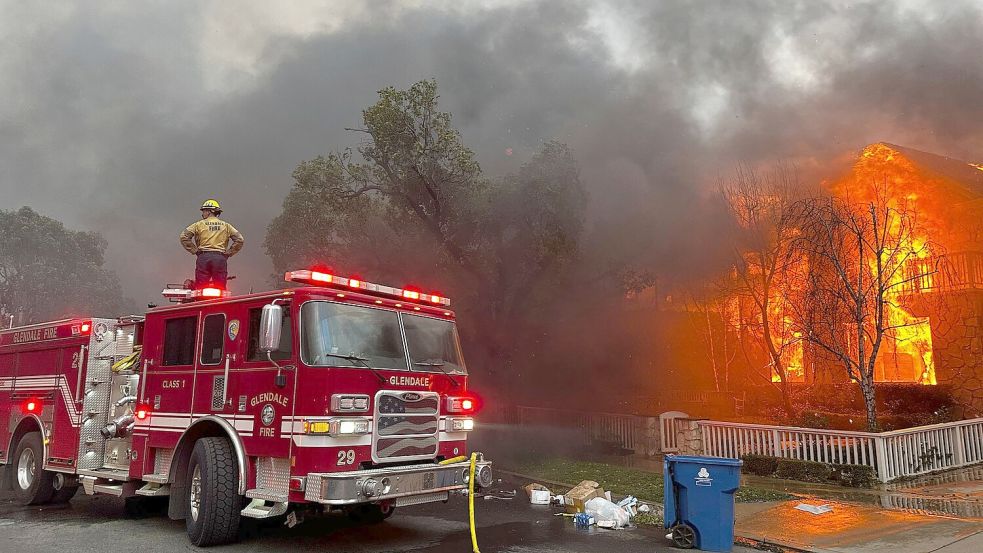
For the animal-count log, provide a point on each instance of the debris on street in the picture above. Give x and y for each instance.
(814, 509)
(606, 513)
(583, 520)
(575, 499)
(538, 494)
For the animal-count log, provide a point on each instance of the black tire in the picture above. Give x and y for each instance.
(65, 494)
(683, 536)
(32, 484)
(215, 518)
(372, 513)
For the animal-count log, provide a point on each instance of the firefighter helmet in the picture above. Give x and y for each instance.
(212, 205)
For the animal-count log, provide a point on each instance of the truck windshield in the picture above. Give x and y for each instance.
(340, 335)
(434, 345)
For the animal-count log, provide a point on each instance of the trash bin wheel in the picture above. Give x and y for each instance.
(683, 536)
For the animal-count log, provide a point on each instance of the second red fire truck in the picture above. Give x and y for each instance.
(338, 394)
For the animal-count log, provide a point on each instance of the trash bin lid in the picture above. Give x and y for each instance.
(720, 461)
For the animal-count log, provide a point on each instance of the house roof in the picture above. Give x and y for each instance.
(968, 175)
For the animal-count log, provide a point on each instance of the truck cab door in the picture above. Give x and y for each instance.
(269, 407)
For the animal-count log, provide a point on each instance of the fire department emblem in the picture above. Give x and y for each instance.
(267, 415)
(233, 329)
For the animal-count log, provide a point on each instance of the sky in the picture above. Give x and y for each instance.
(122, 116)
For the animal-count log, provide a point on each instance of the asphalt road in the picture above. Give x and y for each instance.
(101, 524)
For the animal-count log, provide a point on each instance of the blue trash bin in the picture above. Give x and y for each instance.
(699, 501)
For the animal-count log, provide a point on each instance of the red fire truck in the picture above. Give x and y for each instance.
(338, 394)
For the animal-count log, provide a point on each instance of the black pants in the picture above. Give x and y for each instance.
(212, 268)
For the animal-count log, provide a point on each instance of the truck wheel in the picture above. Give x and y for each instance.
(214, 503)
(32, 484)
(372, 513)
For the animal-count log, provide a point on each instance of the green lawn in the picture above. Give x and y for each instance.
(621, 480)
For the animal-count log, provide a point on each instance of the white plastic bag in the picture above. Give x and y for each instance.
(603, 510)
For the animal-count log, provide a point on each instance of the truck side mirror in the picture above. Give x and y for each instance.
(269, 328)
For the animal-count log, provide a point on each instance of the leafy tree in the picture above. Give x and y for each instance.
(410, 202)
(48, 271)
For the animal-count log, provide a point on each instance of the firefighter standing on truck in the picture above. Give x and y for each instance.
(214, 241)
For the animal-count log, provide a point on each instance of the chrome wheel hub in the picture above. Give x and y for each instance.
(26, 469)
(195, 493)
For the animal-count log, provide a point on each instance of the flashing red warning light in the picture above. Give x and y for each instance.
(141, 412)
(320, 278)
(211, 292)
(31, 406)
(85, 328)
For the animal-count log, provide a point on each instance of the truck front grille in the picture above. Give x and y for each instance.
(406, 425)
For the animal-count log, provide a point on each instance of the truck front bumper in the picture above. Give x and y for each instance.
(407, 485)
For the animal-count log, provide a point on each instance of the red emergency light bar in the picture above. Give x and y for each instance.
(183, 294)
(319, 278)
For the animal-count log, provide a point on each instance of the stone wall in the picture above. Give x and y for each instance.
(957, 341)
(689, 438)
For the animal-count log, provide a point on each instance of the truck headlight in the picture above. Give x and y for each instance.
(338, 426)
(460, 424)
(350, 403)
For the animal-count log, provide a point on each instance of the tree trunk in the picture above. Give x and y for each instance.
(870, 405)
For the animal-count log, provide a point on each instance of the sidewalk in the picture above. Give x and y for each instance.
(855, 528)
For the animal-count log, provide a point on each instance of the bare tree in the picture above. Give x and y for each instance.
(713, 301)
(767, 264)
(865, 257)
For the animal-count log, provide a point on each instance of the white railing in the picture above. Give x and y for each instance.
(667, 430)
(892, 455)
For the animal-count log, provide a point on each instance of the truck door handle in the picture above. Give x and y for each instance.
(225, 380)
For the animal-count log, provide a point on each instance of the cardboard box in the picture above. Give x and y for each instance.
(574, 500)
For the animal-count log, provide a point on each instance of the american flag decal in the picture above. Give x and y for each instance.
(406, 425)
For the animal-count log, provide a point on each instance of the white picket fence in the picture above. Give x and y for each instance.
(892, 455)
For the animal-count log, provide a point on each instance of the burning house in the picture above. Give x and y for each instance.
(938, 306)
(760, 330)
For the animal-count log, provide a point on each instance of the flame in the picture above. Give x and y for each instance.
(906, 355)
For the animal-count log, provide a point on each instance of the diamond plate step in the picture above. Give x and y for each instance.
(258, 508)
(266, 495)
(153, 489)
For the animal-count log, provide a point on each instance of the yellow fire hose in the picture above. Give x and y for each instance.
(474, 459)
(474, 538)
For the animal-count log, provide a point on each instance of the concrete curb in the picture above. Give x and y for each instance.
(765, 545)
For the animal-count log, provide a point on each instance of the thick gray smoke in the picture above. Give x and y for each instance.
(121, 117)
